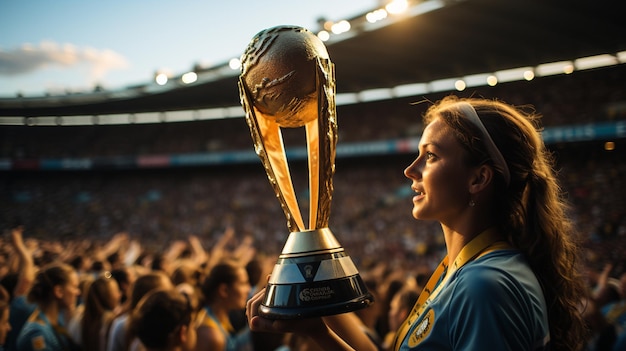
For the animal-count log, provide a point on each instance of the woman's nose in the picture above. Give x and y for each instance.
(413, 171)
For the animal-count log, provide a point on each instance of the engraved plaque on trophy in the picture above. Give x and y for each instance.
(287, 80)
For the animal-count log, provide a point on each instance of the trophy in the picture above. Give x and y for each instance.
(288, 81)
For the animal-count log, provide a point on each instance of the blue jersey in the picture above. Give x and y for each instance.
(494, 302)
(38, 334)
(21, 309)
(234, 342)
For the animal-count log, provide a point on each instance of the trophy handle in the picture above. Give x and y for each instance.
(268, 145)
(321, 137)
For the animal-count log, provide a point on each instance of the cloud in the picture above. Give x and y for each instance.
(29, 58)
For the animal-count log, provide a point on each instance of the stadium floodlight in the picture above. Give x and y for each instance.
(475, 80)
(443, 84)
(323, 35)
(397, 6)
(161, 78)
(346, 99)
(375, 16)
(375, 94)
(234, 63)
(460, 85)
(189, 77)
(595, 61)
(515, 74)
(341, 27)
(529, 75)
(554, 68)
(411, 89)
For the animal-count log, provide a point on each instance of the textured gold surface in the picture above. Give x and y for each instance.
(290, 107)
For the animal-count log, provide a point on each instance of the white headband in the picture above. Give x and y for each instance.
(470, 113)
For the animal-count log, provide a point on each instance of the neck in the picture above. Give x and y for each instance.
(219, 310)
(52, 313)
(456, 239)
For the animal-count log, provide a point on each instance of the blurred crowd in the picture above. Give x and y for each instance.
(182, 223)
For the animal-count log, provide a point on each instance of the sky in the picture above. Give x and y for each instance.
(73, 45)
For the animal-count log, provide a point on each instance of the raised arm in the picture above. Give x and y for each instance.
(198, 254)
(26, 266)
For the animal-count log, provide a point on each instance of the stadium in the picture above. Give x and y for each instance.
(161, 163)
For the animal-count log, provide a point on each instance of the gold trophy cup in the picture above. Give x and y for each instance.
(288, 81)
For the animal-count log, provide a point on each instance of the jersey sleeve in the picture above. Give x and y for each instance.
(32, 338)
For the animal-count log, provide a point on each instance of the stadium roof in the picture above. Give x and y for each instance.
(463, 38)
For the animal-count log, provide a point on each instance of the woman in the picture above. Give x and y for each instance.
(225, 289)
(164, 321)
(118, 339)
(54, 291)
(18, 283)
(101, 304)
(400, 307)
(509, 280)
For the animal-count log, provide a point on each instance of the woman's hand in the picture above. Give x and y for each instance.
(307, 326)
(345, 329)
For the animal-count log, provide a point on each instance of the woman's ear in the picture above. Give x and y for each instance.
(182, 335)
(57, 290)
(222, 290)
(480, 178)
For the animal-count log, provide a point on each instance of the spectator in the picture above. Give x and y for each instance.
(118, 339)
(54, 292)
(101, 306)
(225, 289)
(164, 321)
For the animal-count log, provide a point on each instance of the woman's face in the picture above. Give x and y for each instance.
(69, 292)
(5, 327)
(239, 290)
(439, 174)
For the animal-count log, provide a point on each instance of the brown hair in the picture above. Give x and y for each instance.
(158, 315)
(224, 272)
(42, 292)
(99, 306)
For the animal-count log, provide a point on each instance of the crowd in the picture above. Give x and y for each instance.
(105, 254)
(185, 222)
(183, 263)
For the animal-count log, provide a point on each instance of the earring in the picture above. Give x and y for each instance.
(472, 203)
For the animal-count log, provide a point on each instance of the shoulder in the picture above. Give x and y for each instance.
(21, 305)
(211, 336)
(118, 325)
(32, 337)
(501, 287)
(496, 271)
(496, 302)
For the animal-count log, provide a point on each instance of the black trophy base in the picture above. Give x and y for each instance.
(315, 299)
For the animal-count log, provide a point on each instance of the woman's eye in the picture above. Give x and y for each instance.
(429, 155)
